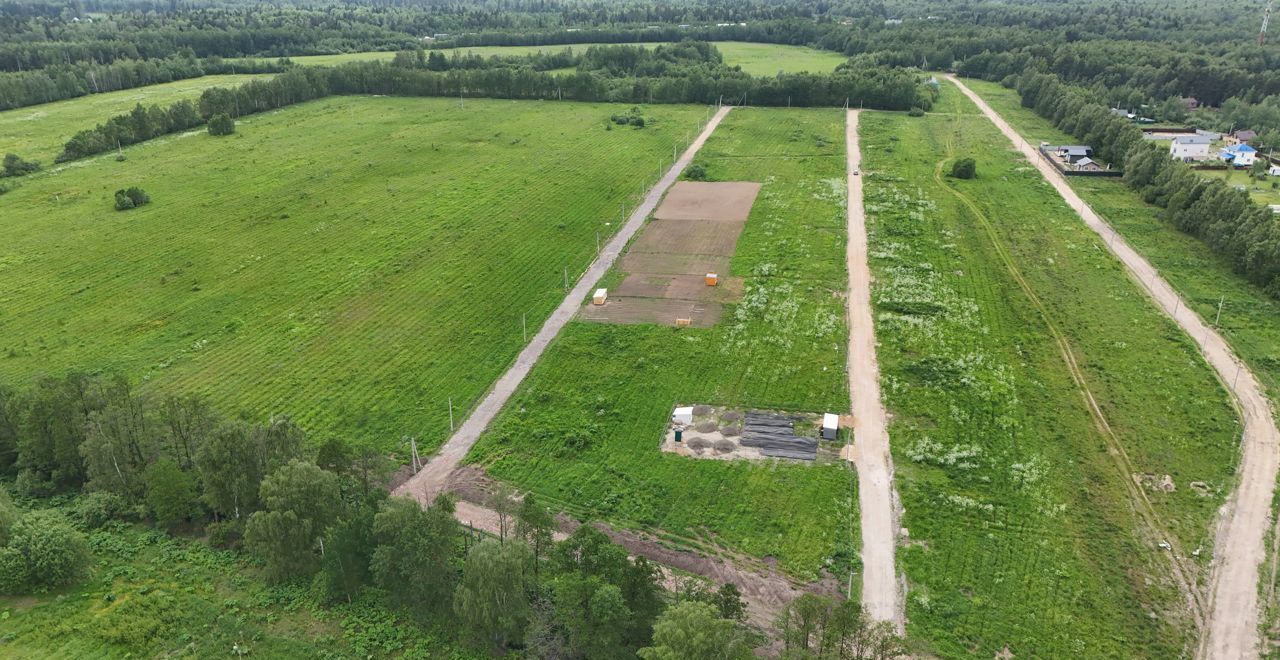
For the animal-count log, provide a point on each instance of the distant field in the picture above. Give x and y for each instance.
(1261, 191)
(1023, 533)
(354, 262)
(756, 59)
(39, 131)
(584, 429)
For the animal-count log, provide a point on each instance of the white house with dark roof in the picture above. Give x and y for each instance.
(1190, 147)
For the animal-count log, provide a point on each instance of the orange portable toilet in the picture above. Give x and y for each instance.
(712, 279)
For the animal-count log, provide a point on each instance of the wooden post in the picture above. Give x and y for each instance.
(451, 414)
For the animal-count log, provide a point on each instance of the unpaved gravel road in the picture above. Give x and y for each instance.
(1245, 518)
(880, 594)
(431, 479)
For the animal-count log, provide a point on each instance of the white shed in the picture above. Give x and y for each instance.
(830, 426)
(683, 415)
(600, 296)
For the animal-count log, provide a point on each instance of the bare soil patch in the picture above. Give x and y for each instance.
(665, 311)
(690, 237)
(698, 200)
(680, 287)
(695, 233)
(674, 264)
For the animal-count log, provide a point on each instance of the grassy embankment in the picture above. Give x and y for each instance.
(38, 132)
(584, 429)
(756, 59)
(1020, 509)
(354, 262)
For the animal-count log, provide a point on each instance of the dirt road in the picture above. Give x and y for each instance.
(764, 590)
(875, 466)
(1246, 517)
(429, 481)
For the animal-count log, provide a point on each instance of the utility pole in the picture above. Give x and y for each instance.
(524, 328)
(451, 414)
(1219, 316)
(1266, 18)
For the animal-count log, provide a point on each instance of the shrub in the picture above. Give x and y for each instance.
(696, 172)
(225, 534)
(964, 168)
(15, 576)
(221, 124)
(99, 508)
(44, 551)
(131, 197)
(15, 166)
(916, 112)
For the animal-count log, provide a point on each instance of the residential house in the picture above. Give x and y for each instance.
(1243, 136)
(1074, 152)
(1187, 148)
(1239, 155)
(1274, 170)
(1087, 165)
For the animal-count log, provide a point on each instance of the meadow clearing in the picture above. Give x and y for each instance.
(756, 59)
(38, 132)
(154, 594)
(354, 262)
(1019, 509)
(584, 429)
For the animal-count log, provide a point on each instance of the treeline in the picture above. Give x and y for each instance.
(65, 81)
(1226, 219)
(872, 87)
(322, 516)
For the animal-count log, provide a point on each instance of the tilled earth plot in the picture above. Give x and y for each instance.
(694, 233)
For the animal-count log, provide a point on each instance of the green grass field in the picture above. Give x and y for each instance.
(354, 262)
(756, 59)
(152, 595)
(1250, 319)
(584, 429)
(38, 132)
(1022, 523)
(1262, 192)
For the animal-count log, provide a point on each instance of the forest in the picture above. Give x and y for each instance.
(319, 515)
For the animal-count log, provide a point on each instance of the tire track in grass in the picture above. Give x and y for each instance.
(1117, 451)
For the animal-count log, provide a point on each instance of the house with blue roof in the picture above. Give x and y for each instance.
(1239, 155)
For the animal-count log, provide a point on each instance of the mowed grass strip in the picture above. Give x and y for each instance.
(1022, 529)
(1250, 318)
(584, 429)
(354, 262)
(38, 132)
(754, 58)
